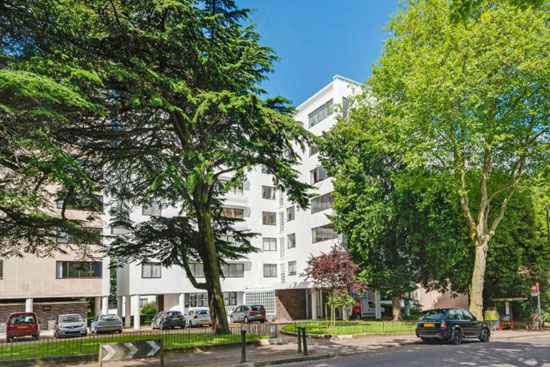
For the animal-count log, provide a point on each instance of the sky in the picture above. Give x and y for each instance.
(317, 39)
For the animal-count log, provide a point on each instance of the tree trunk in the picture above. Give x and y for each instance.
(211, 267)
(396, 308)
(478, 278)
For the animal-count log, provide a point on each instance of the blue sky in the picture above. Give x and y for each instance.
(317, 39)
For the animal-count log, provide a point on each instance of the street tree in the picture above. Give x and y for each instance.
(462, 9)
(467, 100)
(335, 273)
(181, 119)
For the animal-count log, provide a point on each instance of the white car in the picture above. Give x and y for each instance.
(198, 317)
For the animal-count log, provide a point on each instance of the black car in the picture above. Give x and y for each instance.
(451, 325)
(168, 319)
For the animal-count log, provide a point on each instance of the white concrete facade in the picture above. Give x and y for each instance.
(176, 289)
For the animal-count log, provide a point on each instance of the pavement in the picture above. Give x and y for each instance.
(323, 349)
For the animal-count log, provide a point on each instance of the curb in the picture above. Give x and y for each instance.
(286, 360)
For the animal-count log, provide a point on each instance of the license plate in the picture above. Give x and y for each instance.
(111, 328)
(429, 325)
(259, 314)
(176, 318)
(22, 327)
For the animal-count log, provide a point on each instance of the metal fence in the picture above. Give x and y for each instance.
(172, 339)
(355, 327)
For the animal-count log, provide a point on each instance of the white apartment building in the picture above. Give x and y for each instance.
(288, 236)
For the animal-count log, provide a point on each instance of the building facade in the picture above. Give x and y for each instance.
(288, 236)
(64, 283)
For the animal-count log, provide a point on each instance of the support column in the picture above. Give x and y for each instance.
(119, 306)
(104, 305)
(29, 305)
(97, 306)
(135, 303)
(182, 301)
(506, 307)
(127, 311)
(377, 310)
(314, 305)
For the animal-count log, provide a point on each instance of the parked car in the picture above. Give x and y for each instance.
(70, 325)
(452, 325)
(106, 323)
(22, 324)
(248, 313)
(168, 319)
(198, 317)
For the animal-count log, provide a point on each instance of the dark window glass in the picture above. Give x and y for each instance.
(233, 213)
(320, 113)
(318, 174)
(290, 213)
(323, 233)
(151, 270)
(270, 270)
(322, 202)
(78, 269)
(269, 218)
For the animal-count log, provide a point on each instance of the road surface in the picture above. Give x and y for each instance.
(523, 352)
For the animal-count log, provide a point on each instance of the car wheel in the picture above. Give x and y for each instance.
(8, 340)
(262, 321)
(484, 336)
(456, 337)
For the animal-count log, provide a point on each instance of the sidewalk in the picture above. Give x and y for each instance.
(317, 347)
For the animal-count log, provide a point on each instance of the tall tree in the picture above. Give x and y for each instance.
(468, 99)
(462, 9)
(181, 119)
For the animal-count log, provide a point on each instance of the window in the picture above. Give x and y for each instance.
(313, 149)
(282, 246)
(92, 203)
(290, 214)
(268, 192)
(323, 233)
(322, 202)
(233, 270)
(197, 270)
(237, 190)
(230, 298)
(270, 244)
(320, 113)
(196, 299)
(150, 270)
(269, 218)
(317, 174)
(345, 107)
(152, 210)
(270, 270)
(77, 269)
(233, 213)
(291, 240)
(292, 268)
(1, 269)
(281, 222)
(62, 236)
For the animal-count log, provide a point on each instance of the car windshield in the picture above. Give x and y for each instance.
(21, 319)
(257, 308)
(110, 318)
(174, 313)
(70, 318)
(432, 315)
(202, 312)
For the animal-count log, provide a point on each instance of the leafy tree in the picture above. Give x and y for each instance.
(335, 273)
(462, 9)
(377, 204)
(179, 121)
(467, 100)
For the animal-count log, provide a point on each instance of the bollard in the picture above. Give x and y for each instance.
(299, 331)
(304, 338)
(243, 345)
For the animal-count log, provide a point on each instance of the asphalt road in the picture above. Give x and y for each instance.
(532, 352)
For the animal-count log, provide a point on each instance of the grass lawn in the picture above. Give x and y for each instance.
(90, 345)
(355, 327)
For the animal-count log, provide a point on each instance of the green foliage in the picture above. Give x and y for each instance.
(148, 311)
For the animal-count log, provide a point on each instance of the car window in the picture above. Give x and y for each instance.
(244, 308)
(432, 315)
(20, 319)
(468, 315)
(257, 308)
(174, 313)
(110, 318)
(70, 318)
(203, 312)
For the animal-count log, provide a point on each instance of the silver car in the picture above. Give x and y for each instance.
(70, 325)
(198, 317)
(248, 313)
(106, 324)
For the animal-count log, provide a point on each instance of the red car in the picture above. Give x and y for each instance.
(22, 324)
